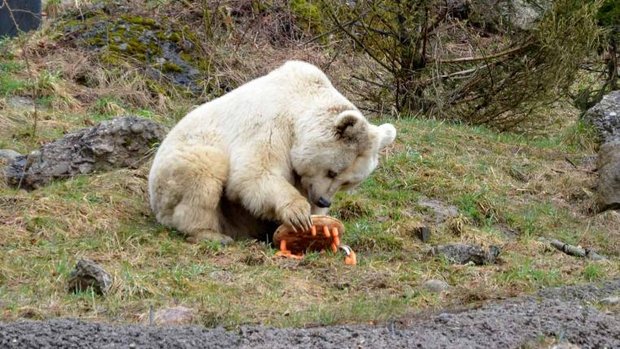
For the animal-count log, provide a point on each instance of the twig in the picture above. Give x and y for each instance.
(483, 58)
(570, 162)
(358, 42)
(378, 84)
(313, 39)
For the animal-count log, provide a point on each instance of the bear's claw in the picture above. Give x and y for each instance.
(297, 215)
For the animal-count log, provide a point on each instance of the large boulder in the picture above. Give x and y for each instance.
(605, 117)
(608, 187)
(122, 142)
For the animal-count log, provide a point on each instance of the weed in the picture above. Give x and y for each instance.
(592, 272)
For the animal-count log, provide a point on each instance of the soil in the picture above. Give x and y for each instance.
(569, 314)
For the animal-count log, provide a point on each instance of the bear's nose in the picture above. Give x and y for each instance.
(323, 203)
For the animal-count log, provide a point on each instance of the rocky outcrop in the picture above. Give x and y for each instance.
(88, 274)
(605, 117)
(608, 187)
(122, 142)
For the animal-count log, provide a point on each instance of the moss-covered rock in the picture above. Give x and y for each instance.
(162, 51)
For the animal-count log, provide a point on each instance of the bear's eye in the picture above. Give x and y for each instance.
(331, 174)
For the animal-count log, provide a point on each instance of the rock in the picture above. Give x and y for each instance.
(441, 211)
(523, 14)
(89, 274)
(122, 142)
(610, 300)
(19, 102)
(608, 186)
(178, 315)
(435, 286)
(605, 117)
(463, 254)
(8, 155)
(421, 231)
(106, 27)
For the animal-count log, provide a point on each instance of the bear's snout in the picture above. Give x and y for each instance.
(323, 202)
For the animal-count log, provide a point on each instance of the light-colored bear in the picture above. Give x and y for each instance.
(272, 151)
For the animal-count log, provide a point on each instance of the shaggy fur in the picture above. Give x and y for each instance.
(274, 150)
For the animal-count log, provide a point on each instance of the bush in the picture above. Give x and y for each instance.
(433, 60)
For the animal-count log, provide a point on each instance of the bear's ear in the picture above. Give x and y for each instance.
(351, 127)
(387, 135)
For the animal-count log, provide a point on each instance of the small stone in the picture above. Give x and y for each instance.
(441, 211)
(611, 300)
(88, 274)
(435, 286)
(178, 315)
(443, 318)
(137, 128)
(463, 254)
(421, 232)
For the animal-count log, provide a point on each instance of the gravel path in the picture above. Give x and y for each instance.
(569, 313)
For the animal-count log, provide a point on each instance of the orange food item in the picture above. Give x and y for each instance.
(326, 231)
(350, 258)
(294, 244)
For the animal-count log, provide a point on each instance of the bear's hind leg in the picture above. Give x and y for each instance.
(200, 174)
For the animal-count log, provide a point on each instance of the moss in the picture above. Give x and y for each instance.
(145, 43)
(142, 21)
(308, 15)
(169, 67)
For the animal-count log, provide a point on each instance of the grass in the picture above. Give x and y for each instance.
(509, 190)
(106, 217)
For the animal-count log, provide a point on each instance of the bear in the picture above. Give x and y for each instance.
(273, 151)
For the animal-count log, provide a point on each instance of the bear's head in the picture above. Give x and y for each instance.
(340, 157)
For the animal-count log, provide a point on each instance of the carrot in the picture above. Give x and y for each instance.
(336, 240)
(335, 231)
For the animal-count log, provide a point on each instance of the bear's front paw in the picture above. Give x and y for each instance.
(296, 214)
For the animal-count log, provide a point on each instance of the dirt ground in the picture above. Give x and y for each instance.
(578, 314)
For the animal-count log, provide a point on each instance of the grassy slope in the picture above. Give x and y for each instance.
(510, 190)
